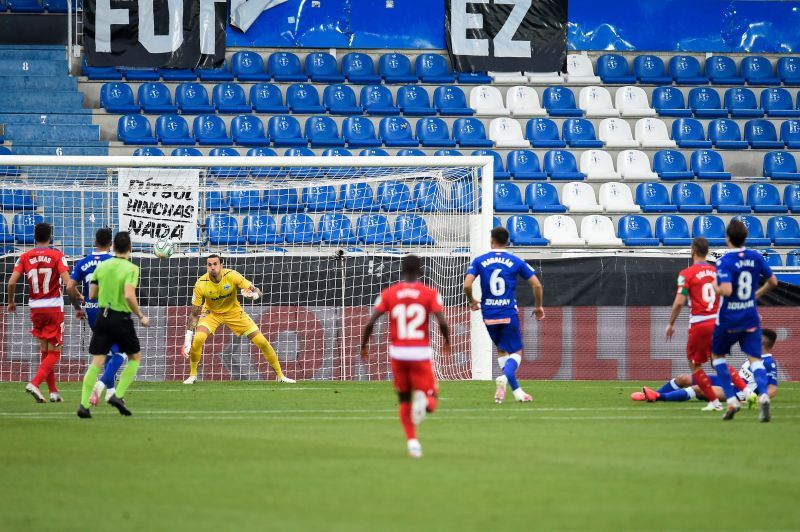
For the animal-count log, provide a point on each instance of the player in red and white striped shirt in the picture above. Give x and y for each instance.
(409, 303)
(45, 268)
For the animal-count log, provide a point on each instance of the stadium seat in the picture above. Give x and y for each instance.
(498, 170)
(341, 100)
(249, 66)
(507, 133)
(543, 133)
(222, 73)
(378, 100)
(765, 198)
(616, 133)
(523, 230)
(689, 197)
(686, 70)
(672, 230)
(722, 70)
(285, 131)
(782, 230)
(728, 198)
(267, 98)
(539, 78)
(336, 228)
(560, 165)
(433, 132)
(650, 69)
(359, 132)
(689, 133)
(414, 101)
(373, 229)
(598, 231)
(447, 153)
(636, 231)
(634, 165)
(711, 228)
(761, 134)
(777, 103)
(412, 152)
(742, 103)
(5, 235)
(451, 101)
(322, 131)
(579, 197)
(560, 101)
(359, 68)
(285, 66)
(192, 98)
(210, 130)
(358, 197)
(433, 68)
(394, 196)
(652, 133)
(135, 129)
(790, 133)
(772, 258)
(230, 98)
(780, 165)
(223, 229)
(614, 69)
(669, 101)
(724, 134)
(16, 199)
(788, 69)
(283, 200)
(598, 165)
(303, 98)
(263, 172)
(632, 101)
(397, 132)
(506, 78)
(248, 130)
(560, 230)
(22, 226)
(260, 229)
(321, 67)
(524, 164)
(224, 171)
(298, 228)
(793, 258)
(186, 152)
(757, 70)
(396, 68)
(580, 70)
(428, 196)
(670, 165)
(523, 101)
(579, 133)
(755, 231)
(705, 103)
(462, 196)
(507, 198)
(156, 98)
(117, 97)
(139, 73)
(791, 197)
(246, 199)
(653, 197)
(469, 132)
(707, 164)
(473, 78)
(596, 102)
(617, 197)
(487, 100)
(543, 197)
(172, 130)
(412, 230)
(147, 152)
(320, 198)
(94, 73)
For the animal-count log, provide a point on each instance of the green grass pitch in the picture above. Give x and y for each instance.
(331, 456)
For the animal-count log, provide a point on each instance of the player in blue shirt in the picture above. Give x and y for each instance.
(82, 276)
(498, 271)
(739, 274)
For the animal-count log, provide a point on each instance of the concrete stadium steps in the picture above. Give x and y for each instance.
(76, 118)
(33, 67)
(53, 134)
(45, 102)
(52, 52)
(37, 83)
(96, 148)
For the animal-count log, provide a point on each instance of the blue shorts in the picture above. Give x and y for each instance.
(723, 340)
(506, 336)
(91, 318)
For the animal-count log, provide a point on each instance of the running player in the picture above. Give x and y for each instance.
(409, 303)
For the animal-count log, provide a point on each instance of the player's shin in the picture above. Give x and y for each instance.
(113, 363)
(704, 383)
(737, 379)
(196, 351)
(405, 419)
(88, 383)
(683, 394)
(724, 376)
(127, 377)
(760, 376)
(669, 386)
(269, 353)
(510, 370)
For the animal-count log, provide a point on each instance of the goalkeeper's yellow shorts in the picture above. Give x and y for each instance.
(238, 322)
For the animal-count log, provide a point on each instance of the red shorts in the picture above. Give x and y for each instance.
(48, 324)
(414, 375)
(698, 346)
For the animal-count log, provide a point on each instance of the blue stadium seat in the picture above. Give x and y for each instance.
(428, 197)
(780, 165)
(285, 131)
(772, 258)
(411, 152)
(394, 196)
(283, 200)
(524, 164)
(523, 230)
(285, 66)
(670, 165)
(358, 197)
(323, 131)
(359, 68)
(260, 230)
(560, 101)
(707, 164)
(543, 197)
(262, 172)
(373, 229)
(635, 230)
(724, 134)
(653, 197)
(396, 68)
(16, 199)
(267, 98)
(463, 196)
(777, 102)
(560, 165)
(186, 152)
(782, 230)
(793, 258)
(755, 231)
(320, 198)
(447, 153)
(498, 170)
(298, 229)
(728, 198)
(172, 130)
(22, 227)
(672, 230)
(397, 132)
(543, 133)
(469, 132)
(791, 197)
(336, 229)
(222, 73)
(579, 133)
(433, 132)
(135, 129)
(614, 69)
(230, 98)
(650, 69)
(249, 66)
(95, 73)
(117, 97)
(414, 101)
(224, 171)
(790, 133)
(788, 70)
(341, 100)
(373, 152)
(248, 130)
(722, 70)
(321, 67)
(192, 98)
(474, 78)
(5, 235)
(507, 198)
(337, 152)
(433, 68)
(223, 229)
(451, 101)
(26, 6)
(669, 101)
(246, 199)
(686, 70)
(211, 130)
(359, 132)
(156, 98)
(761, 134)
(689, 197)
(711, 228)
(377, 100)
(215, 201)
(303, 98)
(139, 73)
(765, 198)
(688, 133)
(411, 229)
(742, 103)
(177, 74)
(496, 222)
(757, 70)
(705, 103)
(148, 152)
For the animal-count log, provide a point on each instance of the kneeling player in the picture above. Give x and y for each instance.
(409, 303)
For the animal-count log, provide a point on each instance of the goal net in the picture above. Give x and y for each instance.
(320, 236)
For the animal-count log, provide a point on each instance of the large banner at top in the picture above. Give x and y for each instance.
(155, 33)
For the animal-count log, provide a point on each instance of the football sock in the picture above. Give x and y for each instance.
(724, 375)
(668, 386)
(704, 384)
(51, 377)
(760, 376)
(125, 380)
(269, 353)
(88, 384)
(405, 419)
(113, 363)
(432, 403)
(196, 351)
(46, 368)
(510, 371)
(737, 379)
(681, 394)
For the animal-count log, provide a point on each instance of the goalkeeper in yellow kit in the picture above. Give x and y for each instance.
(215, 303)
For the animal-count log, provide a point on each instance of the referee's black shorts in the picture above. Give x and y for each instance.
(111, 328)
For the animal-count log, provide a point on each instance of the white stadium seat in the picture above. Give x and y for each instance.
(617, 197)
(598, 164)
(544, 78)
(599, 231)
(561, 230)
(524, 101)
(505, 78)
(632, 101)
(635, 164)
(507, 133)
(580, 70)
(579, 197)
(596, 101)
(652, 133)
(616, 133)
(487, 100)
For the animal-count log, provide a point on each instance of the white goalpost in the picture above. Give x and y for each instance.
(320, 236)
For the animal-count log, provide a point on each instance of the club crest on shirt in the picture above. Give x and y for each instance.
(226, 286)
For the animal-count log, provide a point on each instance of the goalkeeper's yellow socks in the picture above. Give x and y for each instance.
(269, 353)
(196, 352)
(88, 384)
(125, 380)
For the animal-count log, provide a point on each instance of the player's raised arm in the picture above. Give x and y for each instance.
(246, 288)
(11, 304)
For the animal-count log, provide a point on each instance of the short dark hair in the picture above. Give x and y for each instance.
(214, 256)
(103, 237)
(42, 233)
(411, 266)
(500, 235)
(737, 233)
(700, 246)
(770, 336)
(122, 242)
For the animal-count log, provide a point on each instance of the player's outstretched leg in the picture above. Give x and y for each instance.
(700, 377)
(760, 376)
(200, 335)
(272, 358)
(510, 373)
(125, 380)
(107, 381)
(88, 383)
(419, 406)
(724, 379)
